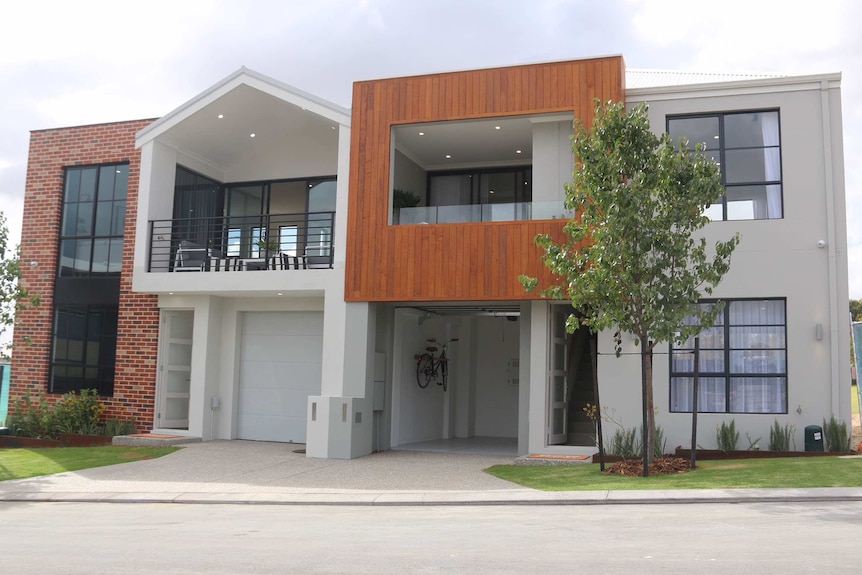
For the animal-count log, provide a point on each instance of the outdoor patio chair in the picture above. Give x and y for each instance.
(191, 257)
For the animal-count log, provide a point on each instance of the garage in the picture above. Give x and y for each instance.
(280, 367)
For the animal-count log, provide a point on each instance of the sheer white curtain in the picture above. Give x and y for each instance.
(755, 340)
(757, 346)
(771, 162)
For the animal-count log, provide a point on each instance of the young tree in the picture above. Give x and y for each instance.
(633, 261)
(13, 296)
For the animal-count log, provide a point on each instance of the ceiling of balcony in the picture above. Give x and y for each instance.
(246, 123)
(486, 142)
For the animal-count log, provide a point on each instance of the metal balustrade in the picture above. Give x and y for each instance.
(242, 243)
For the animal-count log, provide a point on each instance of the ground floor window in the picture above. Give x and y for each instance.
(84, 348)
(743, 361)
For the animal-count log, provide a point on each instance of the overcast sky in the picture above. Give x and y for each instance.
(70, 63)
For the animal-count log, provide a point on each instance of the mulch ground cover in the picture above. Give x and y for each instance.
(659, 466)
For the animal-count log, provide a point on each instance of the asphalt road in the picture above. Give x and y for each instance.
(96, 538)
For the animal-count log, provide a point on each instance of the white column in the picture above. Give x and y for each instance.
(524, 375)
(538, 395)
(340, 419)
(205, 373)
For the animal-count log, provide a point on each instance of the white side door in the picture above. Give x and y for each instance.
(557, 388)
(175, 370)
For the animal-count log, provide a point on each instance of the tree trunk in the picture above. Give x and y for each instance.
(648, 425)
(650, 404)
(644, 407)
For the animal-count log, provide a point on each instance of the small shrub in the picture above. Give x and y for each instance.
(727, 436)
(780, 437)
(72, 413)
(627, 443)
(79, 413)
(115, 427)
(32, 418)
(835, 435)
(660, 442)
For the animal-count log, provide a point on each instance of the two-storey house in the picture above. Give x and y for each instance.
(261, 264)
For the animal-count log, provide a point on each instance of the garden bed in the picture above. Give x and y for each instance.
(717, 454)
(66, 440)
(13, 441)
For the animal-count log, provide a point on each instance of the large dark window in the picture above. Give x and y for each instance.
(94, 214)
(87, 286)
(743, 361)
(479, 195)
(747, 147)
(85, 344)
(235, 219)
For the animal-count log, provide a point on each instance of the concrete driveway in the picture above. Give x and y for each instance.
(262, 467)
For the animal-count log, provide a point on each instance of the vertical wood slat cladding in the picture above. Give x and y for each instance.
(452, 262)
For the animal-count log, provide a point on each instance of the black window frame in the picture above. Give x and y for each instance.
(98, 351)
(115, 237)
(216, 231)
(521, 172)
(722, 151)
(727, 374)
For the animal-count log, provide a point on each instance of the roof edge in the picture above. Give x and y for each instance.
(330, 110)
(758, 82)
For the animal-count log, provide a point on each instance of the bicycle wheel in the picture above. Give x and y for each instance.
(444, 372)
(425, 370)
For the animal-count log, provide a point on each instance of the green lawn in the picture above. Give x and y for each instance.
(783, 472)
(23, 463)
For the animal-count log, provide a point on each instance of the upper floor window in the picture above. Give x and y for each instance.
(747, 147)
(94, 216)
(477, 195)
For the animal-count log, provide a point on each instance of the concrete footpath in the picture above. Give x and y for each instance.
(244, 472)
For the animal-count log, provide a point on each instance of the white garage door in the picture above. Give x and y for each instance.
(279, 368)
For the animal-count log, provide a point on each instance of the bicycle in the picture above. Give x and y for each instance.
(430, 368)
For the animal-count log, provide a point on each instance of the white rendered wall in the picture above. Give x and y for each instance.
(409, 176)
(417, 413)
(340, 419)
(496, 403)
(216, 354)
(553, 161)
(775, 259)
(524, 387)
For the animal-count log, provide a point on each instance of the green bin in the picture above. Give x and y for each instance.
(814, 438)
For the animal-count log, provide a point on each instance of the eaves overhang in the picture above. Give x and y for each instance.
(247, 77)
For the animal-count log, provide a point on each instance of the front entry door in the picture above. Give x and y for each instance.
(175, 370)
(557, 388)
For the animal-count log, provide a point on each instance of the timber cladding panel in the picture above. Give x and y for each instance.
(454, 262)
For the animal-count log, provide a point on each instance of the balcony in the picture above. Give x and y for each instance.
(245, 243)
(509, 212)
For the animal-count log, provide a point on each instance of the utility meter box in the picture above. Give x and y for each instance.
(813, 438)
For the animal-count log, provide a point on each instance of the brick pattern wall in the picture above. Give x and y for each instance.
(137, 338)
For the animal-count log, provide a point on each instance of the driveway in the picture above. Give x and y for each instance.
(263, 467)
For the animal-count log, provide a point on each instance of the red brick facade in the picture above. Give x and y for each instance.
(138, 326)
